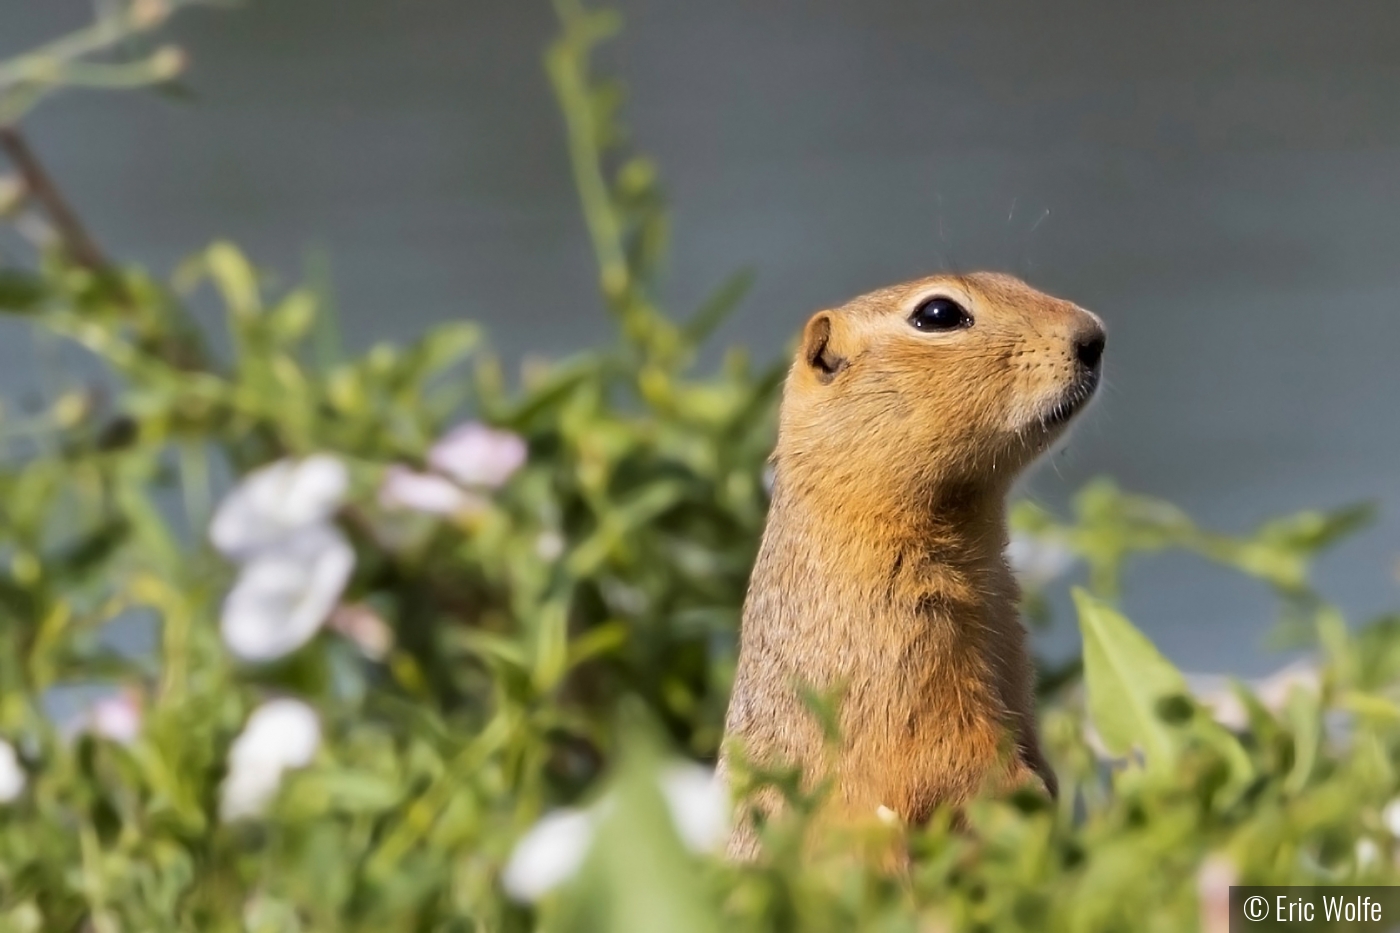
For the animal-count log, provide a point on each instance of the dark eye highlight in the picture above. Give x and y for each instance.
(940, 313)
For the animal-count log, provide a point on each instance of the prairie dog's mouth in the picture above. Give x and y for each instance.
(1072, 401)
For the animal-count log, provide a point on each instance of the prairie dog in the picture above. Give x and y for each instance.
(906, 416)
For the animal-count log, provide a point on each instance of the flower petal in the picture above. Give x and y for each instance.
(279, 735)
(1390, 816)
(12, 776)
(699, 805)
(1037, 561)
(116, 717)
(364, 628)
(1214, 691)
(549, 854)
(403, 488)
(285, 592)
(477, 455)
(549, 546)
(276, 501)
(1213, 880)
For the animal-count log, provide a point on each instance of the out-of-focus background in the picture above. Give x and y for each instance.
(1221, 182)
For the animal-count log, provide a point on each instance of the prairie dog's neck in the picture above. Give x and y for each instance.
(839, 579)
(855, 529)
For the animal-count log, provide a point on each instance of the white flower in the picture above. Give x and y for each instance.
(554, 849)
(699, 805)
(116, 717)
(1367, 853)
(285, 592)
(403, 488)
(1390, 816)
(476, 455)
(1037, 560)
(279, 735)
(1273, 691)
(1213, 880)
(549, 854)
(549, 545)
(12, 777)
(276, 501)
(295, 563)
(1096, 743)
(1214, 691)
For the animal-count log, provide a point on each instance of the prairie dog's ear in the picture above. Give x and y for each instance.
(817, 349)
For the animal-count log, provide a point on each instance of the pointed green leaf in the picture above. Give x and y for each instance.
(1126, 678)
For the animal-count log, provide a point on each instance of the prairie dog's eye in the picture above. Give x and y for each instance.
(940, 313)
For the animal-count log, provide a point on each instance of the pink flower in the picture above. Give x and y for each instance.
(116, 717)
(404, 488)
(362, 627)
(477, 455)
(1213, 880)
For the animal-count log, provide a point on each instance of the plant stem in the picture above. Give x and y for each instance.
(39, 185)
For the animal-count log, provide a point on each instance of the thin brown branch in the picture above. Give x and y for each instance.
(39, 185)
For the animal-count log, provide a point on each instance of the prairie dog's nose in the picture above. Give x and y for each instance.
(1088, 346)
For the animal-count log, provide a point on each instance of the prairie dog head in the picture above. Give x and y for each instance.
(960, 379)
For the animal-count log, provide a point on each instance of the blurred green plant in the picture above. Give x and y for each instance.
(534, 615)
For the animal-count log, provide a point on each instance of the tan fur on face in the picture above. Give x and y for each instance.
(881, 569)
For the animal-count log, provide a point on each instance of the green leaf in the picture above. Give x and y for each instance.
(1305, 716)
(718, 307)
(639, 872)
(1126, 678)
(1310, 532)
(20, 291)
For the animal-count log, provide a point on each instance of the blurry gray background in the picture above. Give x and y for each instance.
(1220, 181)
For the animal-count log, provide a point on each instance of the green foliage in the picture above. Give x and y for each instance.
(555, 644)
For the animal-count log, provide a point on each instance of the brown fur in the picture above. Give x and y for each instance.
(882, 568)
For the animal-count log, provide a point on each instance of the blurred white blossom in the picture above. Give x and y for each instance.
(403, 488)
(12, 194)
(555, 847)
(1214, 691)
(476, 455)
(1390, 816)
(549, 545)
(277, 501)
(284, 593)
(1096, 744)
(12, 777)
(549, 854)
(699, 805)
(279, 735)
(1037, 560)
